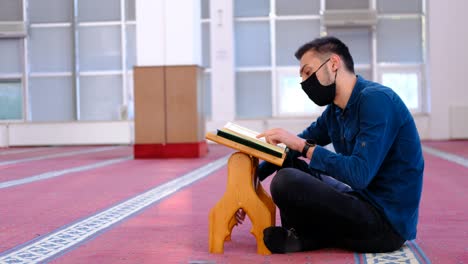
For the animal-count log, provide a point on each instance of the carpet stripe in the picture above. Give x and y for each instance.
(420, 252)
(53, 174)
(357, 258)
(58, 155)
(416, 253)
(403, 255)
(63, 239)
(18, 151)
(446, 156)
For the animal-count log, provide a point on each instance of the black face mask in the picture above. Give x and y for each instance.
(320, 94)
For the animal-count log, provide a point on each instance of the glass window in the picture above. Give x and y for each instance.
(130, 97)
(291, 98)
(364, 73)
(10, 55)
(297, 7)
(405, 85)
(249, 8)
(399, 41)
(11, 10)
(348, 4)
(253, 94)
(102, 10)
(290, 35)
(399, 6)
(206, 45)
(50, 11)
(100, 48)
(358, 41)
(252, 41)
(205, 8)
(50, 49)
(52, 99)
(131, 46)
(11, 100)
(100, 97)
(130, 12)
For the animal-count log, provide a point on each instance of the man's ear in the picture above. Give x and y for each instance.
(336, 62)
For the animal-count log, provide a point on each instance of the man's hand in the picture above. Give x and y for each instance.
(240, 216)
(278, 135)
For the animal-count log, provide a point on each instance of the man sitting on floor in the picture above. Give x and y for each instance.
(365, 197)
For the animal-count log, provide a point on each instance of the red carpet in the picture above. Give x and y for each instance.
(443, 226)
(457, 147)
(22, 153)
(34, 209)
(23, 170)
(175, 230)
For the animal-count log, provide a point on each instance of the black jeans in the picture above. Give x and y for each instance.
(326, 213)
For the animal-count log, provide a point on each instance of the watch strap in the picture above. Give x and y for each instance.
(309, 143)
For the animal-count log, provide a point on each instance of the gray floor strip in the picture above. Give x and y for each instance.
(17, 151)
(446, 156)
(45, 248)
(53, 174)
(58, 155)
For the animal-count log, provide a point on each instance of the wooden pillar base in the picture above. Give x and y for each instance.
(241, 193)
(171, 150)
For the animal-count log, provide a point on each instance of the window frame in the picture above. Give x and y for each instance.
(125, 72)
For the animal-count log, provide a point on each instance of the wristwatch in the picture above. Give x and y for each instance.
(309, 143)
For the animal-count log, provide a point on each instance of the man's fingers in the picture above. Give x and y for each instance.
(239, 221)
(240, 216)
(260, 135)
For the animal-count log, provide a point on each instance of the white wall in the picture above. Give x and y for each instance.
(66, 133)
(3, 135)
(447, 75)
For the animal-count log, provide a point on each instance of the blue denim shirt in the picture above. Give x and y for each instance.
(378, 152)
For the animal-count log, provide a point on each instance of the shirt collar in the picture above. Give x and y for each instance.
(354, 95)
(356, 91)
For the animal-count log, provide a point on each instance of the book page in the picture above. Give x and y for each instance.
(248, 133)
(243, 131)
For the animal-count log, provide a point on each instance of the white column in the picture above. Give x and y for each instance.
(183, 32)
(447, 44)
(222, 61)
(168, 32)
(150, 33)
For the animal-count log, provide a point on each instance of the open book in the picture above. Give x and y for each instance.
(249, 138)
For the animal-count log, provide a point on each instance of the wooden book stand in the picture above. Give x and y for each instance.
(241, 193)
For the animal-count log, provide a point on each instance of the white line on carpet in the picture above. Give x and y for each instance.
(53, 174)
(18, 151)
(446, 156)
(58, 155)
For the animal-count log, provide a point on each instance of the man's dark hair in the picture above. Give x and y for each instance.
(326, 45)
